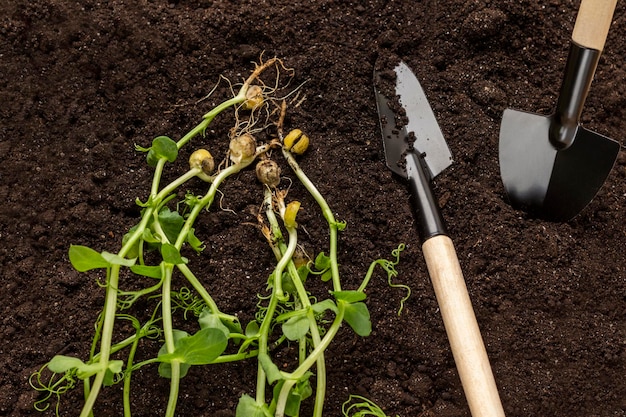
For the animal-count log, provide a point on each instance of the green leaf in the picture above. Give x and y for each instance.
(252, 329)
(322, 306)
(300, 392)
(303, 272)
(201, 348)
(349, 296)
(133, 252)
(272, 372)
(148, 237)
(195, 243)
(248, 407)
(115, 367)
(61, 363)
(171, 223)
(165, 368)
(86, 370)
(109, 378)
(322, 262)
(233, 325)
(358, 317)
(114, 259)
(84, 258)
(358, 406)
(326, 276)
(152, 158)
(165, 147)
(208, 320)
(296, 327)
(151, 271)
(171, 255)
(287, 283)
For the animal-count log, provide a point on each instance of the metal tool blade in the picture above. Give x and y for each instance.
(421, 122)
(556, 184)
(526, 157)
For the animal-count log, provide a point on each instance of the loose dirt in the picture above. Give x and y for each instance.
(82, 82)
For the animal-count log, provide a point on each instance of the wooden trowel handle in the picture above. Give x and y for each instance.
(592, 23)
(459, 320)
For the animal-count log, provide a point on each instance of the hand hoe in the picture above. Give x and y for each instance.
(550, 165)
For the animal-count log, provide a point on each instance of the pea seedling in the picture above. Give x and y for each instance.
(152, 251)
(301, 316)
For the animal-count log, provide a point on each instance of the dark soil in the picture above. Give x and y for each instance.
(82, 82)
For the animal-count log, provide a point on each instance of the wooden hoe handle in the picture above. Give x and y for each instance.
(592, 23)
(459, 320)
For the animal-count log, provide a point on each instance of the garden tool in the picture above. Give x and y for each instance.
(416, 150)
(551, 165)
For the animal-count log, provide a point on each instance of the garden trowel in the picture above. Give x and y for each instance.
(416, 150)
(551, 165)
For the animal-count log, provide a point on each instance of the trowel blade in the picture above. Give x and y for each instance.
(420, 126)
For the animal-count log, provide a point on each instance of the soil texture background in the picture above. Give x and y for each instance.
(82, 82)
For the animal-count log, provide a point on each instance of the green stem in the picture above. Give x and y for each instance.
(154, 202)
(156, 177)
(313, 357)
(168, 332)
(110, 307)
(281, 403)
(128, 341)
(274, 298)
(200, 128)
(275, 237)
(110, 303)
(204, 294)
(327, 213)
(320, 393)
(205, 202)
(263, 348)
(285, 259)
(320, 390)
(235, 357)
(319, 349)
(280, 249)
(368, 276)
(129, 369)
(207, 199)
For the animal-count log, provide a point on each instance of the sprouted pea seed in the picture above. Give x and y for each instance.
(242, 148)
(202, 159)
(254, 97)
(268, 172)
(296, 142)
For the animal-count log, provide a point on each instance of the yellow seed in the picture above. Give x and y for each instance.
(203, 160)
(296, 142)
(254, 98)
(290, 214)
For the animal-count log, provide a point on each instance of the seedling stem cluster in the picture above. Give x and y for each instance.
(153, 251)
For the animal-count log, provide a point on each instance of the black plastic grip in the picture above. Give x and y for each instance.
(429, 220)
